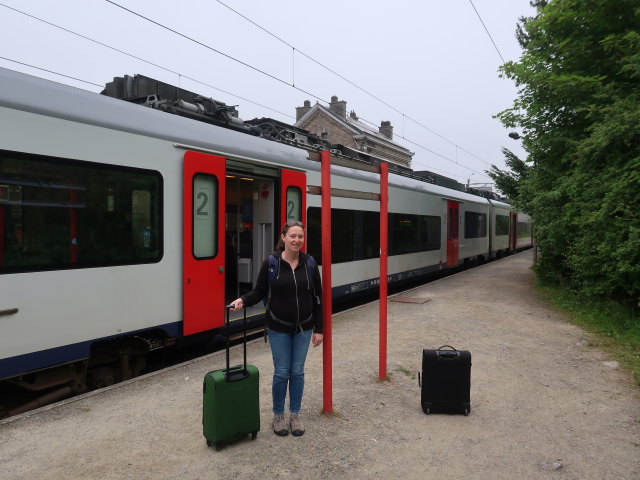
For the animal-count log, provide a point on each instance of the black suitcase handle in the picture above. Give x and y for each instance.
(234, 376)
(447, 353)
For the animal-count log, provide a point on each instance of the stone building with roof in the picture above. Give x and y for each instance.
(337, 127)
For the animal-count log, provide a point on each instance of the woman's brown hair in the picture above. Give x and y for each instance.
(285, 229)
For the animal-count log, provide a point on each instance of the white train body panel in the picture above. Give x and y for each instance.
(69, 306)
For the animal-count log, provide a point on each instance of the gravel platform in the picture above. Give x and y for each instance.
(545, 403)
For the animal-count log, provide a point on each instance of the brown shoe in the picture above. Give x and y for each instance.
(297, 429)
(280, 425)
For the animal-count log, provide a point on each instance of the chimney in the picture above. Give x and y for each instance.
(339, 107)
(386, 129)
(302, 111)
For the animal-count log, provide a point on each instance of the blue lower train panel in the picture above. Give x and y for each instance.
(29, 362)
(374, 283)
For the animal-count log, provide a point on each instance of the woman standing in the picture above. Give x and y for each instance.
(294, 317)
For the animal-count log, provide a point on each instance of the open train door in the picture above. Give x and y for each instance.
(293, 198)
(453, 242)
(204, 242)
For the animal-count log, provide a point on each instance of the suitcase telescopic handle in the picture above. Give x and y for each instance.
(230, 377)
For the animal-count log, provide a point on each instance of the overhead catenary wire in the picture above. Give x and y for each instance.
(50, 71)
(432, 151)
(216, 88)
(204, 45)
(88, 38)
(230, 57)
(350, 82)
(487, 30)
(102, 44)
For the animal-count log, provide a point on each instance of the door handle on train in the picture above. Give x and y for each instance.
(8, 311)
(221, 269)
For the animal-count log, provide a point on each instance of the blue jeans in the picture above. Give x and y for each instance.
(289, 353)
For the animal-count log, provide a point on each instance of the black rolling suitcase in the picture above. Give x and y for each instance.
(446, 380)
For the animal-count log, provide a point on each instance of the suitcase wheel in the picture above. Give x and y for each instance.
(254, 435)
(212, 444)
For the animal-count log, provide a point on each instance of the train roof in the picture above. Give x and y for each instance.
(36, 95)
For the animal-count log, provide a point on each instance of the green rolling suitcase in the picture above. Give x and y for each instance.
(231, 400)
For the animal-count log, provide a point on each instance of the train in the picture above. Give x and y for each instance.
(125, 229)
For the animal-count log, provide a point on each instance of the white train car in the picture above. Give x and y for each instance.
(125, 229)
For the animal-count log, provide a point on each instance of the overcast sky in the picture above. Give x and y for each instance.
(429, 60)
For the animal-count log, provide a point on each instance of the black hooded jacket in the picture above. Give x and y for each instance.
(292, 307)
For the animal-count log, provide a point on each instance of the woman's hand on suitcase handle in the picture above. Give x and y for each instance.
(237, 304)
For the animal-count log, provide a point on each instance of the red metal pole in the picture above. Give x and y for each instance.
(384, 219)
(327, 377)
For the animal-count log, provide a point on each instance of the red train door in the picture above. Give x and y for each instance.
(453, 209)
(204, 242)
(513, 230)
(293, 198)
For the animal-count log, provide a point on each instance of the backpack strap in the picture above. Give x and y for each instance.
(311, 269)
(272, 273)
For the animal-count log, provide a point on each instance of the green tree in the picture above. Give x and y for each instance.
(512, 182)
(578, 108)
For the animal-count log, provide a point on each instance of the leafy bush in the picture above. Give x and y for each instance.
(579, 109)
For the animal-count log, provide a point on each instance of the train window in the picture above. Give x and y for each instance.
(205, 222)
(475, 225)
(428, 233)
(502, 225)
(370, 241)
(413, 233)
(57, 214)
(523, 229)
(313, 240)
(342, 235)
(294, 203)
(356, 234)
(403, 230)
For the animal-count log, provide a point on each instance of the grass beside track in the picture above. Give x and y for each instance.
(616, 327)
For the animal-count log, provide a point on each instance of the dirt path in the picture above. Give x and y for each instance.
(544, 404)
